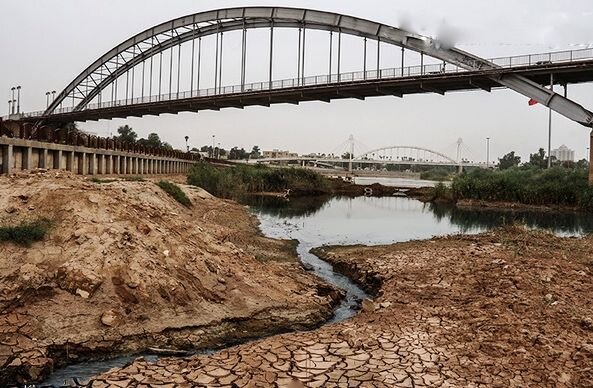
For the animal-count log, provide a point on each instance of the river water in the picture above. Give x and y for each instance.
(363, 220)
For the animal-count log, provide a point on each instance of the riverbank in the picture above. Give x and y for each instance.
(125, 267)
(503, 309)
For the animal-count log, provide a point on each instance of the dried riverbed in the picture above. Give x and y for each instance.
(508, 308)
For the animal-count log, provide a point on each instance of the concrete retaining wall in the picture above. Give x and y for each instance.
(20, 155)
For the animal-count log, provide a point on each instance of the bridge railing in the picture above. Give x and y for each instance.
(320, 80)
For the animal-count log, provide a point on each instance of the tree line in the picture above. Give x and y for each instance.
(128, 135)
(234, 153)
(537, 160)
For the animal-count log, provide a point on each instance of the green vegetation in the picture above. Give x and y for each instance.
(101, 181)
(175, 191)
(239, 180)
(527, 185)
(127, 134)
(436, 174)
(25, 233)
(133, 178)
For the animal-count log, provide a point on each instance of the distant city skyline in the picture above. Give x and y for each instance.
(59, 50)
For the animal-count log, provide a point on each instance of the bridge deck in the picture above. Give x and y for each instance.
(564, 73)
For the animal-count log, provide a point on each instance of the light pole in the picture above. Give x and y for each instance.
(13, 89)
(213, 140)
(218, 151)
(47, 99)
(53, 95)
(18, 104)
(186, 143)
(487, 152)
(9, 106)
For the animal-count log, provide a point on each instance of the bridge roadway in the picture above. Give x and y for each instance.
(321, 88)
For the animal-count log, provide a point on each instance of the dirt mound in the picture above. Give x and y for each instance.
(125, 267)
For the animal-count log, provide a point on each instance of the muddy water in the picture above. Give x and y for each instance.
(346, 221)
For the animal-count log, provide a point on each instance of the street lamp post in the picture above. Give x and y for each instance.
(213, 140)
(47, 99)
(18, 104)
(53, 95)
(487, 152)
(9, 106)
(186, 143)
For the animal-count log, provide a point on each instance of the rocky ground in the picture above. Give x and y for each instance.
(125, 267)
(510, 308)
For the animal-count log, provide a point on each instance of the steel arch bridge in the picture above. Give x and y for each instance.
(94, 95)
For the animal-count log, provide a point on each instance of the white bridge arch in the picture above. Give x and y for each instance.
(436, 155)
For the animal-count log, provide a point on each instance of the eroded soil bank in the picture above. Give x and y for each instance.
(509, 308)
(125, 267)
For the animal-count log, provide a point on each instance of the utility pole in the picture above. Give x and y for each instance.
(13, 100)
(351, 140)
(550, 125)
(487, 152)
(18, 104)
(213, 140)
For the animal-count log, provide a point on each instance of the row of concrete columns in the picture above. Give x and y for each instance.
(89, 163)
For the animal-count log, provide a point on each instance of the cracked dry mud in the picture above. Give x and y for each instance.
(125, 267)
(509, 308)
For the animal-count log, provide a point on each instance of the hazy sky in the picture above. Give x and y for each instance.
(45, 44)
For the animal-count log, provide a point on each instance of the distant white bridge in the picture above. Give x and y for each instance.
(391, 155)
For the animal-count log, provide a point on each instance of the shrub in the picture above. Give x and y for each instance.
(101, 181)
(235, 181)
(435, 174)
(175, 191)
(134, 178)
(555, 186)
(26, 233)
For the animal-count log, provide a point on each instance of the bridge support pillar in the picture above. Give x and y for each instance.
(7, 159)
(70, 161)
(82, 164)
(100, 164)
(108, 164)
(460, 169)
(58, 160)
(124, 165)
(93, 164)
(27, 158)
(43, 157)
(591, 160)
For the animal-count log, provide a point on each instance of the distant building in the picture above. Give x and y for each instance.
(563, 154)
(277, 154)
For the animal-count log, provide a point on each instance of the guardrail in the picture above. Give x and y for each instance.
(388, 73)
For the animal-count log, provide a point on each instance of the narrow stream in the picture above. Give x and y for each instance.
(346, 221)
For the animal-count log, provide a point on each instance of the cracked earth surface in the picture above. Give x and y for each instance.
(509, 308)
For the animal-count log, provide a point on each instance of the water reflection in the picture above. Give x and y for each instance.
(390, 219)
(470, 220)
